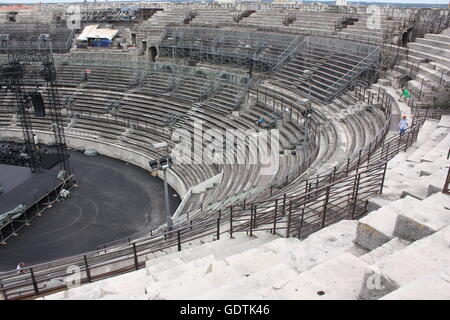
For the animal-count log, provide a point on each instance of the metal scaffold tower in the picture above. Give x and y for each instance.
(30, 73)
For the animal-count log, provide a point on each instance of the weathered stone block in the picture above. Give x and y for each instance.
(410, 229)
(370, 238)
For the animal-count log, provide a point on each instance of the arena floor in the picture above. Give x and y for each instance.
(113, 200)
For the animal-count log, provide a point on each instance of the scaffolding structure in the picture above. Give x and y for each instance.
(219, 46)
(32, 70)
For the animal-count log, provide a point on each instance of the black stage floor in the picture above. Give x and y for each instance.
(47, 154)
(21, 186)
(113, 200)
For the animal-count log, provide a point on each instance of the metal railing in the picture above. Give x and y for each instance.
(242, 93)
(289, 52)
(54, 46)
(409, 68)
(356, 71)
(446, 188)
(430, 83)
(316, 208)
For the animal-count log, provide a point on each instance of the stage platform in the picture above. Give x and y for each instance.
(21, 186)
(112, 200)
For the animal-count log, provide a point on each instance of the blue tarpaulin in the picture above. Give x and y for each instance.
(101, 43)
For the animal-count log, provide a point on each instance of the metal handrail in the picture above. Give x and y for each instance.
(240, 96)
(376, 50)
(435, 75)
(282, 59)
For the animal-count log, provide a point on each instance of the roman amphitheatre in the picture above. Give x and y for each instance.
(224, 150)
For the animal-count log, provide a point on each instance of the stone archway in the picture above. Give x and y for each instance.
(403, 81)
(152, 53)
(200, 74)
(143, 49)
(406, 37)
(224, 76)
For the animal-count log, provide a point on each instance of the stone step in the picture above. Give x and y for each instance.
(377, 227)
(417, 55)
(401, 173)
(129, 284)
(420, 89)
(419, 219)
(390, 247)
(337, 278)
(434, 286)
(237, 267)
(357, 35)
(239, 289)
(250, 244)
(176, 277)
(193, 253)
(426, 256)
(432, 77)
(444, 122)
(429, 168)
(433, 139)
(427, 129)
(300, 255)
(439, 67)
(429, 49)
(441, 42)
(446, 32)
(437, 37)
(439, 151)
(425, 186)
(376, 203)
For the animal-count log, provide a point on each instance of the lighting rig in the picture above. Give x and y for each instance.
(30, 73)
(163, 163)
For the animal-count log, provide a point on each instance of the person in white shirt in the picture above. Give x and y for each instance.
(20, 267)
(403, 125)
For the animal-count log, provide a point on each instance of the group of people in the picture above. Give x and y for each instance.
(403, 125)
(13, 154)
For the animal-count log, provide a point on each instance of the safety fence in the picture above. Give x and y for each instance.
(370, 61)
(289, 52)
(446, 188)
(62, 44)
(426, 86)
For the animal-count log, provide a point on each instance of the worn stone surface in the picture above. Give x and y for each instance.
(376, 284)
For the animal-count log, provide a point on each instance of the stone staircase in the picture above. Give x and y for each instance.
(419, 172)
(431, 84)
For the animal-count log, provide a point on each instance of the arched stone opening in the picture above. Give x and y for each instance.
(152, 53)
